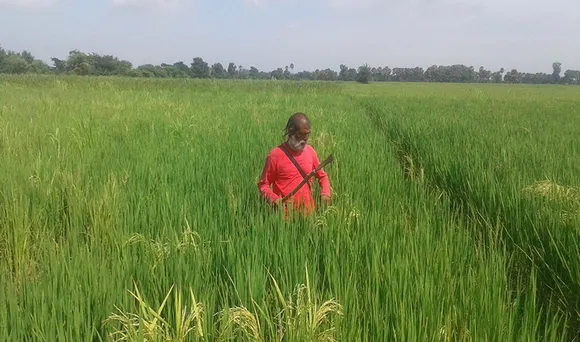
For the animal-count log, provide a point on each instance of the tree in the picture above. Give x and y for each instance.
(59, 65)
(364, 74)
(571, 77)
(305, 75)
(27, 56)
(431, 74)
(513, 76)
(79, 63)
(342, 73)
(327, 75)
(254, 73)
(177, 70)
(497, 76)
(183, 68)
(150, 70)
(38, 67)
(557, 66)
(200, 68)
(3, 55)
(109, 65)
(14, 64)
(484, 75)
(386, 74)
(277, 74)
(232, 70)
(218, 71)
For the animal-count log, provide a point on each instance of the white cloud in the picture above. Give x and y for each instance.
(515, 7)
(525, 9)
(256, 2)
(337, 4)
(29, 3)
(352, 4)
(153, 4)
(266, 3)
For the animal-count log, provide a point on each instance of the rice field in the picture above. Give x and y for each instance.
(129, 210)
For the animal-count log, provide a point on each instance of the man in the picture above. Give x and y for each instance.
(280, 171)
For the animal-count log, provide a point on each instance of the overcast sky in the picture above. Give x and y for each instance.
(525, 34)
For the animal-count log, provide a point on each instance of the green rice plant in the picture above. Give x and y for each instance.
(149, 325)
(111, 182)
(304, 319)
(481, 151)
(298, 318)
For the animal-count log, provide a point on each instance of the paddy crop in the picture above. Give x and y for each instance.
(129, 207)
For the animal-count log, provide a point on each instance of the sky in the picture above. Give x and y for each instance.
(528, 35)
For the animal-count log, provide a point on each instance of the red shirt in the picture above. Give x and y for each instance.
(281, 173)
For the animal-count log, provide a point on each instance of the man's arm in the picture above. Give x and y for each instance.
(322, 177)
(265, 180)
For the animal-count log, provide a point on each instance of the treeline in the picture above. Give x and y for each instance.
(79, 63)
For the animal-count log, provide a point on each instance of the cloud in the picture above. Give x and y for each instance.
(29, 3)
(519, 9)
(267, 3)
(256, 2)
(337, 4)
(152, 4)
(352, 4)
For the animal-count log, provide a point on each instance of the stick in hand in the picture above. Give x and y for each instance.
(327, 161)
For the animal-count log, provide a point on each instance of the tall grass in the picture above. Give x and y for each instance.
(130, 208)
(508, 159)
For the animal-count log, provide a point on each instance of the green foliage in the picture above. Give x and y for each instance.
(148, 185)
(79, 63)
(502, 160)
(200, 68)
(15, 65)
(364, 74)
(557, 66)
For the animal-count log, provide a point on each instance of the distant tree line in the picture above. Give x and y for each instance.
(79, 63)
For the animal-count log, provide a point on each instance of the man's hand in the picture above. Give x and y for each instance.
(325, 200)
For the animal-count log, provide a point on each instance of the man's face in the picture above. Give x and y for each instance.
(299, 138)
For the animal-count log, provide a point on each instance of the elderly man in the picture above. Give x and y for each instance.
(288, 164)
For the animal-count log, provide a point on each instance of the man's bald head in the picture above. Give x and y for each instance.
(298, 130)
(297, 122)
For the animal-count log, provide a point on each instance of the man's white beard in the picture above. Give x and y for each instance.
(295, 144)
